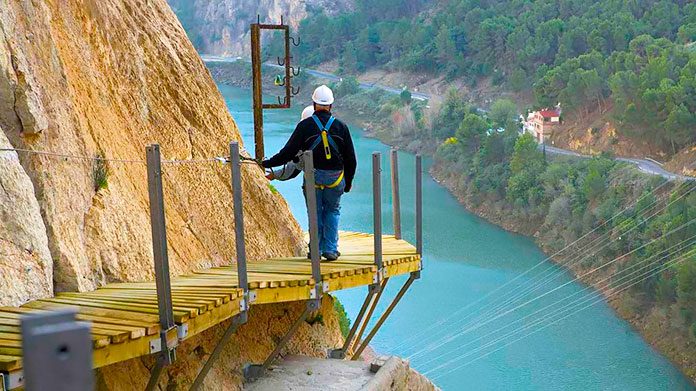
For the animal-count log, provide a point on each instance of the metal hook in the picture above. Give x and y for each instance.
(298, 41)
(258, 19)
(284, 102)
(299, 69)
(281, 62)
(293, 90)
(281, 20)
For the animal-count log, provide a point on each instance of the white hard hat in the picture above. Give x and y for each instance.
(323, 96)
(307, 112)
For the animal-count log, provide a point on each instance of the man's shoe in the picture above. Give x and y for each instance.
(330, 256)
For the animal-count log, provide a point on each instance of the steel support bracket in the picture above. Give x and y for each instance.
(252, 297)
(182, 332)
(325, 286)
(11, 381)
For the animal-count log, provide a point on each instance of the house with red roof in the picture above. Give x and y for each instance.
(541, 123)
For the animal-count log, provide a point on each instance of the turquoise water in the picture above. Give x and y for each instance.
(465, 258)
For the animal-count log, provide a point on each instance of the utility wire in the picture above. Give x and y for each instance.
(504, 301)
(599, 300)
(439, 323)
(536, 286)
(219, 159)
(592, 291)
(578, 278)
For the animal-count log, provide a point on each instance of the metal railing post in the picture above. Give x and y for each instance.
(419, 204)
(243, 280)
(159, 249)
(57, 352)
(377, 208)
(396, 199)
(311, 195)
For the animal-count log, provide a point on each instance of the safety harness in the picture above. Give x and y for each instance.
(328, 142)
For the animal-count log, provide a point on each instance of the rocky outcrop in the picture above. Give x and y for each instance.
(87, 78)
(221, 27)
(250, 344)
(26, 269)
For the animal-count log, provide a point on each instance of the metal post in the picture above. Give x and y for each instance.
(311, 196)
(419, 204)
(377, 208)
(235, 168)
(159, 248)
(57, 352)
(396, 200)
(242, 278)
(384, 316)
(288, 76)
(257, 92)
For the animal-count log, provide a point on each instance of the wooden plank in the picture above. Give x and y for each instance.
(201, 306)
(86, 310)
(9, 363)
(98, 340)
(179, 316)
(127, 306)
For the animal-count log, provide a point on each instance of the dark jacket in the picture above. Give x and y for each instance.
(304, 136)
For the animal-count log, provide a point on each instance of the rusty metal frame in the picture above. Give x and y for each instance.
(257, 83)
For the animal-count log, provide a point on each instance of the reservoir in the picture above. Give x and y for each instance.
(466, 258)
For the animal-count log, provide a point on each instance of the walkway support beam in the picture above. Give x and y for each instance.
(380, 290)
(242, 277)
(159, 249)
(385, 315)
(419, 204)
(396, 198)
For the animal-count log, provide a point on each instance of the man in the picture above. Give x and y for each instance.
(334, 164)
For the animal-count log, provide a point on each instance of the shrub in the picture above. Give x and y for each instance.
(100, 173)
(343, 321)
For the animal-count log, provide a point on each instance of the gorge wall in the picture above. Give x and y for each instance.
(90, 78)
(221, 27)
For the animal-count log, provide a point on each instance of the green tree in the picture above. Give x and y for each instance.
(504, 114)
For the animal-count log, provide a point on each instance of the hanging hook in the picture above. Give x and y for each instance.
(279, 81)
(299, 69)
(258, 19)
(293, 41)
(293, 90)
(281, 20)
(281, 62)
(284, 102)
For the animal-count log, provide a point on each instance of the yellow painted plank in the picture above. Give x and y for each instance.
(93, 311)
(179, 316)
(10, 363)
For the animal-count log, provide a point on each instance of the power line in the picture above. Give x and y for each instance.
(609, 280)
(577, 278)
(599, 300)
(424, 331)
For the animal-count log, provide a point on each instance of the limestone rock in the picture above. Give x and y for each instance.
(114, 76)
(26, 269)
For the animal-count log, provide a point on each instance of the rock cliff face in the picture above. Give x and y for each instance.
(90, 78)
(221, 27)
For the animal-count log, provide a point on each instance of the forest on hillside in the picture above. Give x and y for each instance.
(633, 56)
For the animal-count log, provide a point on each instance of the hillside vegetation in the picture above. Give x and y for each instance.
(583, 54)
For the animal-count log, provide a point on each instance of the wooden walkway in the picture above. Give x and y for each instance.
(124, 316)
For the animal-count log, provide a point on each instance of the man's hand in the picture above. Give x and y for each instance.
(349, 185)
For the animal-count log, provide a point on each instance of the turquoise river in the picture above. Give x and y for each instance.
(464, 259)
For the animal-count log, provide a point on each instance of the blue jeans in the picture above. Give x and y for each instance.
(328, 209)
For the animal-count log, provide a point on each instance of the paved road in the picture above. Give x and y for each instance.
(323, 75)
(644, 165)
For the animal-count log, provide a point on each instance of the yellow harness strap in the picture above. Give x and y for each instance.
(331, 186)
(325, 141)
